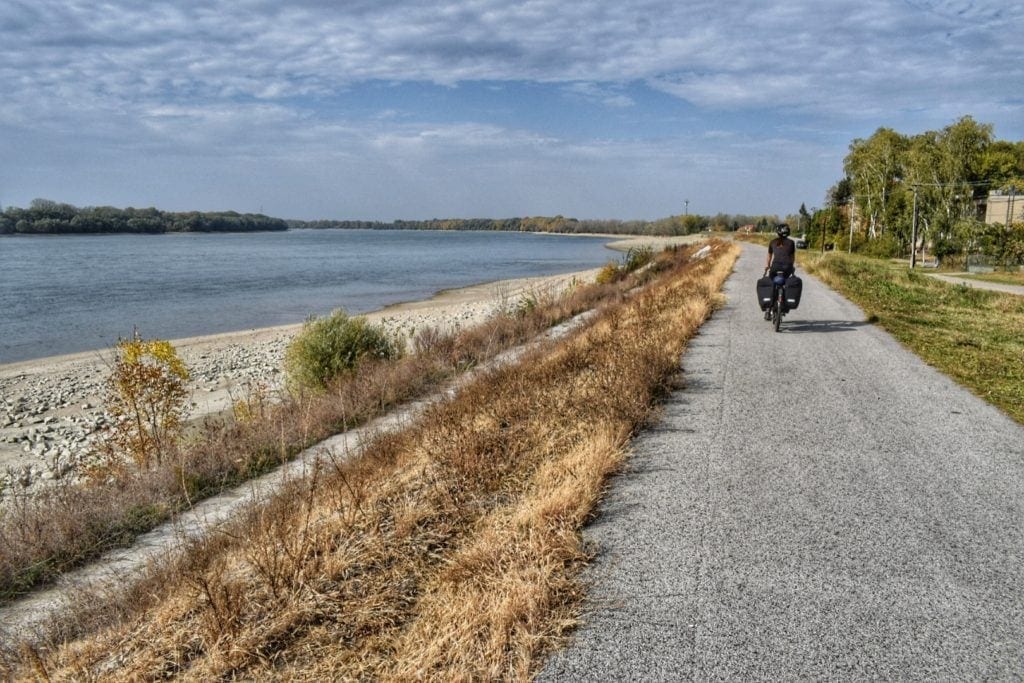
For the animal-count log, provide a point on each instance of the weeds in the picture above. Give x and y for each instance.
(633, 260)
(448, 551)
(47, 534)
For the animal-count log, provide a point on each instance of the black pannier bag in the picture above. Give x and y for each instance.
(793, 288)
(764, 293)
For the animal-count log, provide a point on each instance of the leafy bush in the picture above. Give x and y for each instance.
(146, 394)
(884, 246)
(634, 259)
(329, 347)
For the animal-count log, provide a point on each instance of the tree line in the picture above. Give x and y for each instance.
(49, 217)
(672, 225)
(944, 177)
(46, 217)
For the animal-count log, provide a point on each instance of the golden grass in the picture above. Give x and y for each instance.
(44, 535)
(450, 551)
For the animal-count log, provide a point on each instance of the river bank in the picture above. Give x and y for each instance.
(51, 409)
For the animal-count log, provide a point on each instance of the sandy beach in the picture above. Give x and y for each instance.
(51, 409)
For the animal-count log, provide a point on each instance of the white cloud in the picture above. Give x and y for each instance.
(257, 79)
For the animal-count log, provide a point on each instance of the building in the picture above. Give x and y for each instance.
(1004, 207)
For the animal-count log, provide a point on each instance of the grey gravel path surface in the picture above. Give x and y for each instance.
(817, 504)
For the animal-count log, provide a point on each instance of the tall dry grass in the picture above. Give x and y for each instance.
(449, 551)
(46, 534)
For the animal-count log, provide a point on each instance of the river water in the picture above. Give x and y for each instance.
(67, 293)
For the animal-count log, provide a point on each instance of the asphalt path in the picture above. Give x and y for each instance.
(815, 504)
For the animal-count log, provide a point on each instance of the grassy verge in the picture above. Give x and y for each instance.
(974, 336)
(449, 551)
(47, 534)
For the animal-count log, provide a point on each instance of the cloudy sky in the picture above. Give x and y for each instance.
(385, 109)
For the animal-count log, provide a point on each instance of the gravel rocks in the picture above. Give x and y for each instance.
(51, 410)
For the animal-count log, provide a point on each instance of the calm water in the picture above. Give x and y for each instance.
(62, 294)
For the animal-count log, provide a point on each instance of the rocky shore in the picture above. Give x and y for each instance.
(51, 409)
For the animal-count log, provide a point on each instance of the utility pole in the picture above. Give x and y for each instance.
(849, 249)
(913, 234)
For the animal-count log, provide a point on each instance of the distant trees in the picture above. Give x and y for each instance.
(949, 171)
(672, 225)
(44, 216)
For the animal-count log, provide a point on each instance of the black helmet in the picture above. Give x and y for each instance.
(782, 230)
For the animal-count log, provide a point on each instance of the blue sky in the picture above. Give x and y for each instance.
(385, 109)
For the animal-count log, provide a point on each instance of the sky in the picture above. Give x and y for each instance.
(392, 109)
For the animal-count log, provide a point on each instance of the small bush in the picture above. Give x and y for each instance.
(327, 348)
(638, 257)
(609, 274)
(147, 396)
(883, 246)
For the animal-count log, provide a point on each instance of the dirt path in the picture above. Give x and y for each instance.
(954, 279)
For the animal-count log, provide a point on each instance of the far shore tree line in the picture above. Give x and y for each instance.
(44, 216)
(945, 177)
(687, 224)
(47, 217)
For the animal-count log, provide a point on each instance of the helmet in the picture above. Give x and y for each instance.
(782, 230)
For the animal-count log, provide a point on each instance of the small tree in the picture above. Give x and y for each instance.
(147, 397)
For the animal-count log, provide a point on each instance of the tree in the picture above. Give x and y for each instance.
(875, 167)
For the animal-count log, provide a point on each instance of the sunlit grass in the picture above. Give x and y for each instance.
(449, 551)
(973, 335)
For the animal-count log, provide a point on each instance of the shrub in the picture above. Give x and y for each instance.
(327, 348)
(638, 257)
(147, 397)
(883, 246)
(609, 274)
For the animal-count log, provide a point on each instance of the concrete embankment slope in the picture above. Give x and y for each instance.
(816, 504)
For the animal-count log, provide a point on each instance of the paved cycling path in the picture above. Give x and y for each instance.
(816, 504)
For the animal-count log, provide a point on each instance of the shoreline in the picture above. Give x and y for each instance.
(616, 243)
(51, 408)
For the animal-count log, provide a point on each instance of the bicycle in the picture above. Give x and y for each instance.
(778, 306)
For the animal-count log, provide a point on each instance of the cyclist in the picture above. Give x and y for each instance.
(781, 256)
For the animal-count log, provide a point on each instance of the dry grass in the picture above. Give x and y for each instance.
(47, 534)
(449, 551)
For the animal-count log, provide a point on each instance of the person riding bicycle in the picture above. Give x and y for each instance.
(781, 255)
